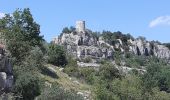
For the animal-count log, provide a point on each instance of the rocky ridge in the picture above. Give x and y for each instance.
(83, 45)
(88, 47)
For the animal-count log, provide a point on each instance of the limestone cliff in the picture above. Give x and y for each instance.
(147, 48)
(82, 43)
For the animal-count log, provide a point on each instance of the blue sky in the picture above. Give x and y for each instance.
(149, 18)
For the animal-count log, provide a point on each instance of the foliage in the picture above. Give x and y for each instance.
(87, 60)
(134, 61)
(102, 93)
(87, 74)
(72, 68)
(157, 76)
(117, 57)
(111, 37)
(24, 44)
(57, 55)
(69, 30)
(22, 32)
(58, 93)
(96, 35)
(27, 85)
(167, 45)
(128, 88)
(108, 72)
(29, 53)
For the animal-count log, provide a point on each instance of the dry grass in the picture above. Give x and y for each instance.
(69, 83)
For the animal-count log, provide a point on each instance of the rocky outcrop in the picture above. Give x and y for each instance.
(143, 47)
(6, 74)
(83, 45)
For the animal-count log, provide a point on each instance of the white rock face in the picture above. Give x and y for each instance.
(83, 45)
(143, 47)
(3, 78)
(82, 64)
(162, 51)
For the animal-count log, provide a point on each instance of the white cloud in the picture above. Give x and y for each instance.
(162, 20)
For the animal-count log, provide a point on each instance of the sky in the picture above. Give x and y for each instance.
(148, 18)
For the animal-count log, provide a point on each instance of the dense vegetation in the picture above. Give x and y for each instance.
(111, 84)
(30, 53)
(57, 55)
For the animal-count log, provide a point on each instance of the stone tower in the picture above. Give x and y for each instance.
(80, 26)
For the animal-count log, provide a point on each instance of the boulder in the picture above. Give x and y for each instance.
(3, 78)
(6, 74)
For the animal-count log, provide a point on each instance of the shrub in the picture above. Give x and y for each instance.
(57, 55)
(87, 60)
(72, 68)
(58, 93)
(27, 85)
(108, 72)
(87, 74)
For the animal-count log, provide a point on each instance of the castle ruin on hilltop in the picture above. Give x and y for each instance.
(80, 26)
(81, 43)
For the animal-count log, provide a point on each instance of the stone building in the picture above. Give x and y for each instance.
(80, 26)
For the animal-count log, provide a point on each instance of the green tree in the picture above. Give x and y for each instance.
(157, 76)
(24, 44)
(27, 86)
(128, 88)
(57, 55)
(109, 72)
(21, 32)
(66, 30)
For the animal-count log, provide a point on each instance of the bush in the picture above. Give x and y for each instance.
(135, 61)
(72, 68)
(22, 33)
(102, 93)
(72, 71)
(87, 60)
(87, 74)
(27, 86)
(128, 88)
(57, 55)
(108, 72)
(117, 57)
(58, 93)
(69, 30)
(157, 76)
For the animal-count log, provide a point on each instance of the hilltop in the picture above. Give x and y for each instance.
(92, 47)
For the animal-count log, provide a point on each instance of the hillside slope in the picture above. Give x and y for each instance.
(67, 82)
